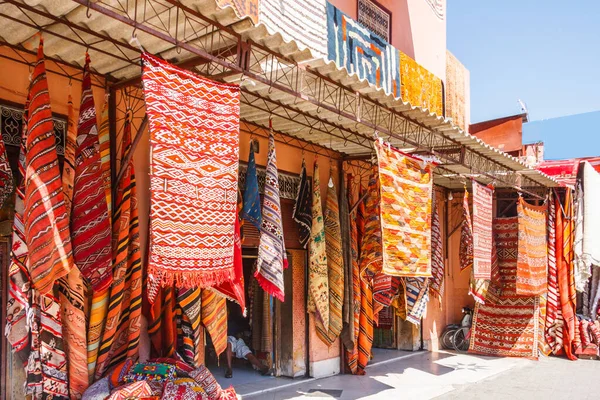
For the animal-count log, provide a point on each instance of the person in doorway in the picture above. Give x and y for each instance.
(236, 346)
(237, 325)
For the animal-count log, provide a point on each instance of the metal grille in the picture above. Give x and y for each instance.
(376, 18)
(11, 127)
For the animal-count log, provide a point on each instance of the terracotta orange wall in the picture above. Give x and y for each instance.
(416, 31)
(14, 83)
(505, 134)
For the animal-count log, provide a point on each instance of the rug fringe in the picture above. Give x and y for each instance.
(269, 287)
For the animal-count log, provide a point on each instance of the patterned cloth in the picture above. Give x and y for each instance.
(566, 275)
(419, 86)
(318, 273)
(100, 390)
(98, 312)
(72, 297)
(175, 391)
(194, 139)
(121, 335)
(370, 252)
(161, 328)
(508, 328)
(19, 285)
(480, 288)
(335, 268)
(302, 213)
(68, 172)
(45, 216)
(214, 319)
(582, 269)
(134, 390)
(466, 236)
(436, 283)
(406, 188)
(371, 259)
(150, 372)
(210, 385)
(251, 210)
(455, 90)
(190, 301)
(361, 52)
(352, 352)
(104, 142)
(272, 258)
(7, 184)
(532, 256)
(552, 330)
(482, 231)
(417, 296)
(90, 220)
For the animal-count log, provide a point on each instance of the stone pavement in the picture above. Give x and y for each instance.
(420, 375)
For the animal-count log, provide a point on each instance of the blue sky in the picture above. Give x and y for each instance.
(546, 53)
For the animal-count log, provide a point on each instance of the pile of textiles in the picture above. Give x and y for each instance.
(161, 378)
(588, 343)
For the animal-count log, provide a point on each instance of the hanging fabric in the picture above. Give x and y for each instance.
(194, 140)
(251, 210)
(532, 256)
(347, 305)
(46, 233)
(417, 297)
(190, 301)
(161, 323)
(436, 283)
(318, 279)
(371, 258)
(566, 278)
(481, 289)
(19, 286)
(272, 258)
(302, 213)
(214, 319)
(482, 231)
(406, 186)
(72, 295)
(68, 172)
(353, 328)
(588, 217)
(121, 334)
(104, 142)
(553, 324)
(335, 268)
(582, 269)
(7, 185)
(370, 254)
(466, 236)
(89, 219)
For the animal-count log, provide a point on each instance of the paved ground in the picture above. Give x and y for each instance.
(449, 376)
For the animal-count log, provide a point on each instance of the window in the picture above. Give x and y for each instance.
(376, 18)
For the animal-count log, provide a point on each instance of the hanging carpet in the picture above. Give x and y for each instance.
(506, 232)
(532, 255)
(318, 281)
(508, 328)
(68, 172)
(582, 268)
(416, 291)
(591, 215)
(214, 318)
(194, 140)
(90, 222)
(352, 351)
(104, 148)
(121, 334)
(190, 301)
(406, 188)
(45, 215)
(7, 185)
(436, 283)
(553, 323)
(302, 213)
(371, 258)
(335, 268)
(251, 210)
(482, 231)
(466, 236)
(272, 258)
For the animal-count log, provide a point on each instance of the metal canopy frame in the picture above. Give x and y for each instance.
(297, 96)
